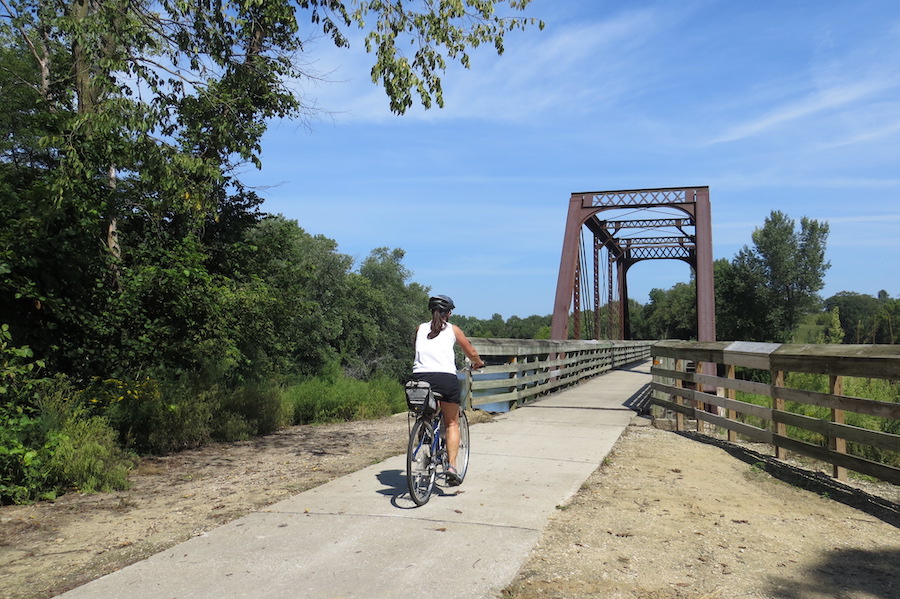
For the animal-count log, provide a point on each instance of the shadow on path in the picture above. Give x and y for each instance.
(394, 482)
(639, 400)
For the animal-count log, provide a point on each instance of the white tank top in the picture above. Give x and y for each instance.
(435, 355)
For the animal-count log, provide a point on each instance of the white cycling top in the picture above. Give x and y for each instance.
(435, 355)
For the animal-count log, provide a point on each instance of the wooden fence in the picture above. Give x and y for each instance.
(520, 370)
(700, 381)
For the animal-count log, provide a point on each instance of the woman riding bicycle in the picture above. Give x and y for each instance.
(435, 363)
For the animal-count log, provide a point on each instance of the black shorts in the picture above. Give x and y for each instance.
(441, 382)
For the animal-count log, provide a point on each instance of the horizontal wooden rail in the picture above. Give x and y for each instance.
(523, 369)
(688, 381)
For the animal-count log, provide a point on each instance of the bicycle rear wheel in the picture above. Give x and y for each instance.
(462, 458)
(420, 467)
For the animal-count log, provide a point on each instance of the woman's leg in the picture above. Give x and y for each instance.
(451, 422)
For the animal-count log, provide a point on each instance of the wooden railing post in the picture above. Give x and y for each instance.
(731, 394)
(679, 383)
(513, 376)
(778, 404)
(763, 416)
(836, 387)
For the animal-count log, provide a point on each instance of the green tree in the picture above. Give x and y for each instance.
(858, 312)
(392, 306)
(531, 327)
(672, 314)
(123, 125)
(833, 331)
(773, 284)
(742, 309)
(793, 265)
(866, 319)
(300, 319)
(889, 321)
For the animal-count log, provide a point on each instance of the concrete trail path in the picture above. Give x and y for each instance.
(361, 536)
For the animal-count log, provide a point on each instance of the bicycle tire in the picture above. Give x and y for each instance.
(420, 467)
(462, 457)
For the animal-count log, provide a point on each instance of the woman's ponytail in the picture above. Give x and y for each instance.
(438, 322)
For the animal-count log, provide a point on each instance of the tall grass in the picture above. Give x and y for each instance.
(865, 388)
(88, 458)
(333, 399)
(252, 410)
(59, 437)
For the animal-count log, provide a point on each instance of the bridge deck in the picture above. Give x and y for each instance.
(361, 536)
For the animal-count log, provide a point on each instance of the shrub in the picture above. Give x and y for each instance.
(232, 427)
(334, 399)
(263, 409)
(152, 416)
(183, 420)
(24, 453)
(132, 408)
(56, 444)
(88, 457)
(23, 468)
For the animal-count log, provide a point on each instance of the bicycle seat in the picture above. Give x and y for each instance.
(438, 396)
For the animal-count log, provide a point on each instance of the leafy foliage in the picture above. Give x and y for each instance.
(866, 319)
(333, 397)
(88, 457)
(24, 473)
(762, 294)
(135, 264)
(672, 314)
(771, 286)
(531, 327)
(440, 31)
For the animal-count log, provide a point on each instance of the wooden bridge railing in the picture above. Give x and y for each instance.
(741, 387)
(522, 369)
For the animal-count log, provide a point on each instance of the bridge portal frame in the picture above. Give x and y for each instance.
(693, 247)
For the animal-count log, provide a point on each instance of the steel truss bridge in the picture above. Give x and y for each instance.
(660, 224)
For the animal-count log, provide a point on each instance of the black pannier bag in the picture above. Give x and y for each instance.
(420, 398)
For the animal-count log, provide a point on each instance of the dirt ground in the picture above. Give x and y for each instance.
(678, 515)
(666, 516)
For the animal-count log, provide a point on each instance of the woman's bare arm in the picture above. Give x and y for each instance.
(467, 348)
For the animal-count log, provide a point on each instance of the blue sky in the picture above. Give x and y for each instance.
(790, 106)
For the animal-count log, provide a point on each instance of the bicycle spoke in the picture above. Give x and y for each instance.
(420, 468)
(462, 457)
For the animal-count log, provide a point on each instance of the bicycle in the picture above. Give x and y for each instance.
(426, 452)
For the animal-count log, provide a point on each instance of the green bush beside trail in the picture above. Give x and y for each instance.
(56, 437)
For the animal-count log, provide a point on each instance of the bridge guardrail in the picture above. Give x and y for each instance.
(710, 394)
(530, 368)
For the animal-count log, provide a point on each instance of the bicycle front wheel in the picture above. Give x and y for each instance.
(420, 467)
(462, 458)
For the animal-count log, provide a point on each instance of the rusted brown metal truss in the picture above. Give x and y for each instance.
(688, 239)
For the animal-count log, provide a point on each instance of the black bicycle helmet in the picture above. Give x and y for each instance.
(441, 303)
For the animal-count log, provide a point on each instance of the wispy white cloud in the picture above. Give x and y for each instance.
(862, 219)
(817, 102)
(567, 66)
(844, 94)
(873, 132)
(775, 108)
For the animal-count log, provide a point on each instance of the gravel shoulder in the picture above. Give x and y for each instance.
(678, 515)
(667, 515)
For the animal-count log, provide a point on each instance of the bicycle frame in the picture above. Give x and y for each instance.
(427, 457)
(438, 443)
